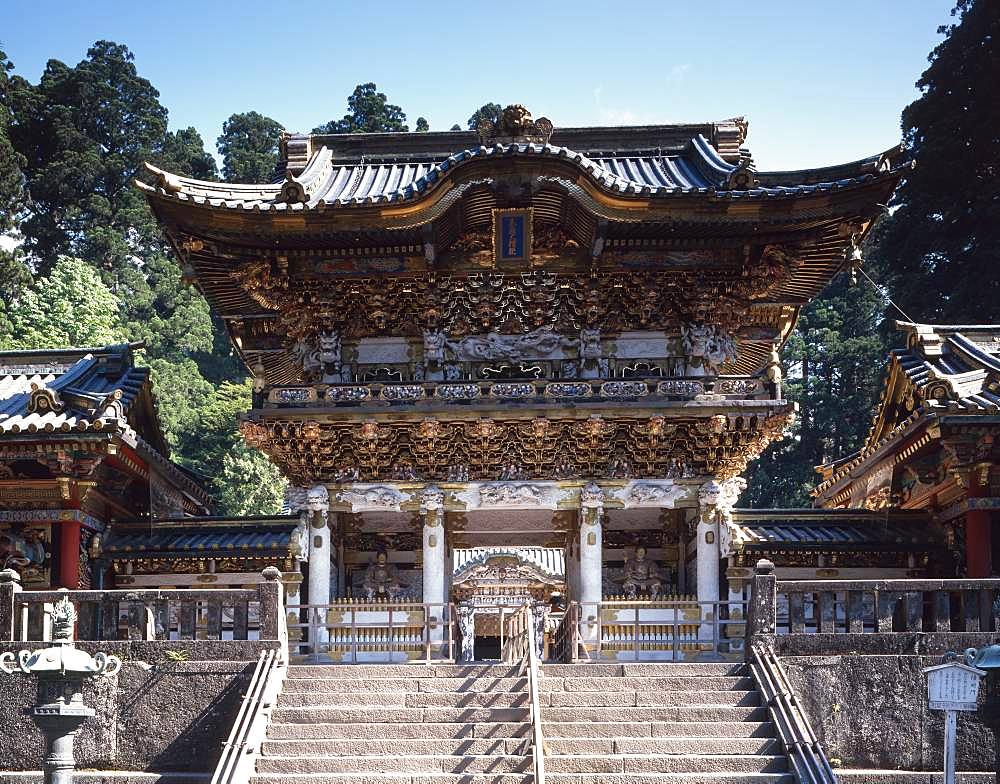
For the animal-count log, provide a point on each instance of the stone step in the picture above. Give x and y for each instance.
(682, 745)
(467, 684)
(859, 776)
(365, 731)
(401, 778)
(640, 699)
(414, 763)
(515, 778)
(664, 729)
(699, 713)
(648, 683)
(355, 747)
(114, 777)
(650, 669)
(667, 763)
(407, 671)
(361, 715)
(407, 700)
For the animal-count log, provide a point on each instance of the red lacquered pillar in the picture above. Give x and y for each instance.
(978, 544)
(69, 554)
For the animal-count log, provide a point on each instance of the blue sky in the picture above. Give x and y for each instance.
(820, 81)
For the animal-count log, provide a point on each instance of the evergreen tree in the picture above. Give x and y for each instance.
(249, 147)
(422, 125)
(488, 111)
(71, 307)
(368, 111)
(943, 241)
(14, 273)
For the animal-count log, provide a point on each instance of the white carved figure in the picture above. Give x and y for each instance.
(592, 496)
(511, 494)
(307, 355)
(540, 615)
(432, 499)
(434, 342)
(661, 494)
(329, 348)
(590, 343)
(706, 348)
(467, 629)
(539, 344)
(381, 580)
(299, 545)
(641, 574)
(317, 499)
(379, 497)
(717, 499)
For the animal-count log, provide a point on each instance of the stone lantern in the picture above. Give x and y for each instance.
(988, 659)
(61, 669)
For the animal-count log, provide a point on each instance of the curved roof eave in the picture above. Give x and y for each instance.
(308, 192)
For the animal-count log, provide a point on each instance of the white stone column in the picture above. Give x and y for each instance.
(591, 562)
(716, 499)
(317, 512)
(435, 551)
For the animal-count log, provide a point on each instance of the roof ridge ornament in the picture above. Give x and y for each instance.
(515, 125)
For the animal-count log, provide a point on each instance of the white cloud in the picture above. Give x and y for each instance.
(611, 115)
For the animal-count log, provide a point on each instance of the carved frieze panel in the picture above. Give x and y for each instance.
(491, 450)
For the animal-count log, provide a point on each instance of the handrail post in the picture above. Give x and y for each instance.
(273, 624)
(762, 613)
(10, 586)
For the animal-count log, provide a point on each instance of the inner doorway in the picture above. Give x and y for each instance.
(487, 648)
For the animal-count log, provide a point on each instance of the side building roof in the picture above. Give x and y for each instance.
(97, 393)
(944, 371)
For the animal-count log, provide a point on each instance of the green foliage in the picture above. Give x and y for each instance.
(82, 133)
(11, 178)
(70, 307)
(943, 241)
(368, 111)
(422, 125)
(249, 147)
(489, 112)
(244, 481)
(455, 127)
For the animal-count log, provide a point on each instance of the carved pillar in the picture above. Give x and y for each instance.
(591, 561)
(716, 499)
(315, 515)
(434, 576)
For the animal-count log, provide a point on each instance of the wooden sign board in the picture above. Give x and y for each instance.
(953, 686)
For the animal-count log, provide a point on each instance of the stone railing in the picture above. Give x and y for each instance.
(888, 616)
(147, 615)
(537, 390)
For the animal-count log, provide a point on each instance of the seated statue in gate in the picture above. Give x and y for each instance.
(641, 574)
(381, 580)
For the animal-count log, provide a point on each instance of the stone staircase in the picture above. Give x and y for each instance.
(450, 724)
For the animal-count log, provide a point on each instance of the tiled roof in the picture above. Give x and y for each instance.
(71, 390)
(832, 529)
(326, 183)
(947, 369)
(203, 538)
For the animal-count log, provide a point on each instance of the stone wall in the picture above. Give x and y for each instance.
(870, 711)
(156, 714)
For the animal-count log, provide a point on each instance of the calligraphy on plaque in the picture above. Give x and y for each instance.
(512, 236)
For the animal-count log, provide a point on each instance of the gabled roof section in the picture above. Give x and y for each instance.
(547, 562)
(75, 390)
(944, 370)
(623, 161)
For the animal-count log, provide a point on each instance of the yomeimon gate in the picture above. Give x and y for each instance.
(521, 338)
